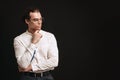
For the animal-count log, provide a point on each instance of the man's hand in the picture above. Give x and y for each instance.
(29, 68)
(36, 37)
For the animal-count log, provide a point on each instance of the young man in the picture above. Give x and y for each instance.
(36, 50)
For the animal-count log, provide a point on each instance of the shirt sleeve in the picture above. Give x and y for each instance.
(23, 53)
(52, 60)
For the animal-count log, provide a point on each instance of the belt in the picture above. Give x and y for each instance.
(31, 74)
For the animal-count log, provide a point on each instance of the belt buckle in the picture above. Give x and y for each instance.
(41, 74)
(35, 74)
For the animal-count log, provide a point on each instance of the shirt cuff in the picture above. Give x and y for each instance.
(34, 67)
(31, 48)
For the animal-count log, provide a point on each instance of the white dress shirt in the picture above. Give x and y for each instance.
(46, 56)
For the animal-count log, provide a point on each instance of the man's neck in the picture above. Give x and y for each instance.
(32, 30)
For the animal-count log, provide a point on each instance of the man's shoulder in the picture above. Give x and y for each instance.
(47, 33)
(20, 35)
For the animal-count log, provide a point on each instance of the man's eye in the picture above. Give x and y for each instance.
(35, 19)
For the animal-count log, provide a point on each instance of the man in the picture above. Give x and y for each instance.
(36, 50)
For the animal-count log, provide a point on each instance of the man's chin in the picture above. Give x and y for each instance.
(38, 29)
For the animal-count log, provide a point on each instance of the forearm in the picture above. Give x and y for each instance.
(45, 64)
(23, 53)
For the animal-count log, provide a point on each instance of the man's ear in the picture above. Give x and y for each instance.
(26, 21)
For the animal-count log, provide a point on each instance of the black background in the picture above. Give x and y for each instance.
(87, 33)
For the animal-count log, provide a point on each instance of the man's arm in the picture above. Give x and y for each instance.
(24, 53)
(51, 61)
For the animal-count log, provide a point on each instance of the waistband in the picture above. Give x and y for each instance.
(31, 74)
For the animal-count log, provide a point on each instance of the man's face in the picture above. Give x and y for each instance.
(35, 21)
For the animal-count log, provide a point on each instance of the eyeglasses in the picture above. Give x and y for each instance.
(36, 19)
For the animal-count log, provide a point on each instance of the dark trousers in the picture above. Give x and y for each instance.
(46, 77)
